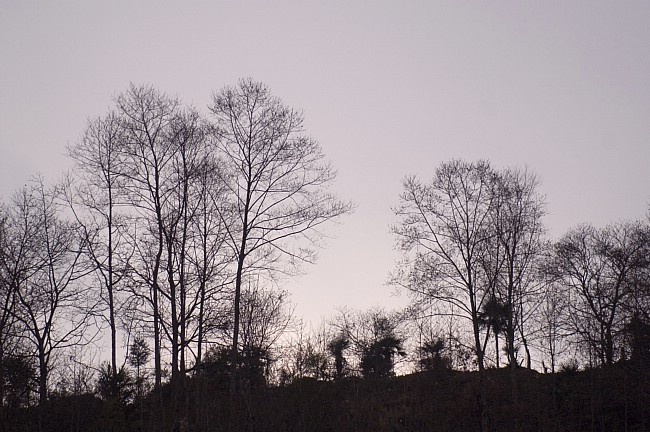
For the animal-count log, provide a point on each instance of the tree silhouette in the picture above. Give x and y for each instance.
(494, 315)
(51, 308)
(432, 357)
(377, 359)
(277, 182)
(94, 195)
(337, 347)
(601, 268)
(139, 353)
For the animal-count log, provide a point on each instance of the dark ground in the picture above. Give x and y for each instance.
(611, 399)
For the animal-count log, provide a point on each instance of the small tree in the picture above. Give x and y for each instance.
(494, 316)
(117, 387)
(432, 355)
(315, 362)
(375, 338)
(17, 374)
(139, 354)
(377, 359)
(307, 357)
(252, 364)
(337, 347)
(638, 332)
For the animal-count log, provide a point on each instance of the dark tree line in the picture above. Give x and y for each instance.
(168, 239)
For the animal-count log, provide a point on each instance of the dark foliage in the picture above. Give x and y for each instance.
(638, 332)
(377, 360)
(17, 375)
(253, 364)
(337, 347)
(432, 356)
(119, 387)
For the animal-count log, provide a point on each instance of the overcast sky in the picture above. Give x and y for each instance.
(389, 88)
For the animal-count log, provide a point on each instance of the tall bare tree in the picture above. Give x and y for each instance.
(94, 196)
(277, 184)
(172, 182)
(210, 259)
(146, 116)
(514, 252)
(186, 138)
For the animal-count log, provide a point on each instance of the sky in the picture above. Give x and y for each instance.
(388, 88)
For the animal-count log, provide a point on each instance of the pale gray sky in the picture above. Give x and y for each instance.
(389, 88)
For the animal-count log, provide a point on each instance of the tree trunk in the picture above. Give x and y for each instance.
(156, 287)
(42, 378)
(111, 301)
(203, 281)
(199, 342)
(174, 308)
(480, 355)
(496, 347)
(234, 354)
(156, 336)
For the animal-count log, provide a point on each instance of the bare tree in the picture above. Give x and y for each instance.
(266, 314)
(186, 134)
(512, 255)
(51, 307)
(165, 166)
(600, 268)
(210, 261)
(13, 251)
(277, 185)
(442, 233)
(552, 321)
(151, 160)
(94, 195)
(146, 115)
(306, 356)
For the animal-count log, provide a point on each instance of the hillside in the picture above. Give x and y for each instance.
(611, 399)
